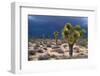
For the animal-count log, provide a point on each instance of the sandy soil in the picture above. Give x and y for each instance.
(48, 50)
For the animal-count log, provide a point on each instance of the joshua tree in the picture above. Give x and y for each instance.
(56, 36)
(72, 34)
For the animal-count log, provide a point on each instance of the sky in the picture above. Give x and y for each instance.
(43, 26)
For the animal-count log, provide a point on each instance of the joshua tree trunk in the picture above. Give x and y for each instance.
(56, 41)
(71, 50)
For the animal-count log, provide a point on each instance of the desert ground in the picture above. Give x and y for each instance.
(39, 49)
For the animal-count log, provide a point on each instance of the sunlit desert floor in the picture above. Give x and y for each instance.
(39, 49)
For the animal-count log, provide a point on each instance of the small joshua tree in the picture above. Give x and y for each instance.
(56, 36)
(72, 34)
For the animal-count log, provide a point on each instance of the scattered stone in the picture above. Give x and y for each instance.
(44, 57)
(53, 56)
(81, 54)
(55, 47)
(37, 45)
(59, 42)
(76, 49)
(48, 45)
(41, 46)
(45, 48)
(45, 42)
(65, 46)
(48, 49)
(58, 50)
(36, 48)
(40, 51)
(31, 52)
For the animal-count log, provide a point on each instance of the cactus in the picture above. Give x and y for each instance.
(71, 34)
(56, 36)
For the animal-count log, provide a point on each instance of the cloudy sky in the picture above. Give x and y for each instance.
(44, 26)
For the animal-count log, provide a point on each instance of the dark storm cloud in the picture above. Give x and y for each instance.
(39, 25)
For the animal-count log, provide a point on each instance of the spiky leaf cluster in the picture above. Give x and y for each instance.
(72, 33)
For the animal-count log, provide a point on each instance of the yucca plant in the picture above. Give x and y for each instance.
(56, 36)
(71, 34)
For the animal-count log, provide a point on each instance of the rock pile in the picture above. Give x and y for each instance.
(40, 50)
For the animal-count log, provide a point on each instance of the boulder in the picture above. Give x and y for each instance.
(56, 55)
(45, 48)
(31, 52)
(76, 49)
(36, 46)
(55, 47)
(48, 45)
(44, 56)
(58, 50)
(81, 54)
(65, 46)
(40, 50)
(59, 42)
